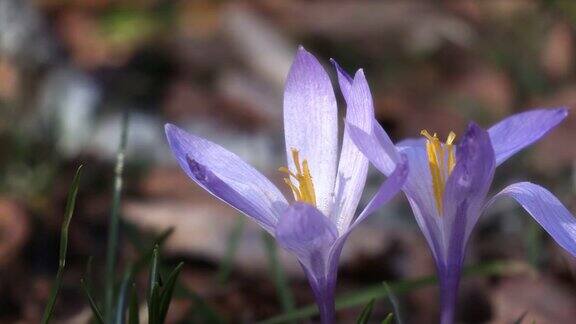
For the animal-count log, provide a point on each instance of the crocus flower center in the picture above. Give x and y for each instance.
(441, 159)
(300, 182)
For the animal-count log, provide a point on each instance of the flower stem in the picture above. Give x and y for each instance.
(113, 226)
(324, 294)
(449, 284)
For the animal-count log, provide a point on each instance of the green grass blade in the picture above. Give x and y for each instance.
(231, 249)
(133, 309)
(113, 227)
(394, 301)
(280, 282)
(154, 287)
(153, 276)
(167, 291)
(88, 272)
(95, 310)
(366, 313)
(388, 319)
(153, 306)
(120, 309)
(147, 254)
(68, 212)
(378, 291)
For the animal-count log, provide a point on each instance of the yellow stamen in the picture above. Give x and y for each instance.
(305, 190)
(441, 159)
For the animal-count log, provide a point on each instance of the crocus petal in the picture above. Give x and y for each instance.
(344, 80)
(310, 124)
(306, 232)
(547, 210)
(376, 146)
(353, 165)
(226, 176)
(518, 131)
(464, 196)
(408, 142)
(468, 184)
(418, 186)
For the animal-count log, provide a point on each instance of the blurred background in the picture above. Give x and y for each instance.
(69, 69)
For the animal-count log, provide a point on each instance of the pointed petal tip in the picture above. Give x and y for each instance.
(172, 133)
(302, 55)
(344, 79)
(563, 111)
(169, 128)
(302, 51)
(474, 131)
(473, 126)
(359, 73)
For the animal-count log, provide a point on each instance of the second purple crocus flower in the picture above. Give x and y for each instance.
(448, 184)
(326, 182)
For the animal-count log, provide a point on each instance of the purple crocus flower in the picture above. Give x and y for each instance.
(326, 188)
(448, 184)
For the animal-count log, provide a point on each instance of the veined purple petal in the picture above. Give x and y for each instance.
(375, 145)
(547, 210)
(407, 142)
(306, 232)
(518, 131)
(353, 165)
(226, 176)
(464, 195)
(311, 124)
(344, 80)
(419, 183)
(310, 235)
(468, 184)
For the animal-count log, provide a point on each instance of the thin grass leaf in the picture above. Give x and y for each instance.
(147, 254)
(280, 282)
(394, 301)
(378, 291)
(95, 310)
(388, 319)
(167, 291)
(133, 308)
(154, 287)
(68, 212)
(153, 276)
(231, 249)
(88, 273)
(113, 228)
(120, 309)
(366, 313)
(153, 306)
